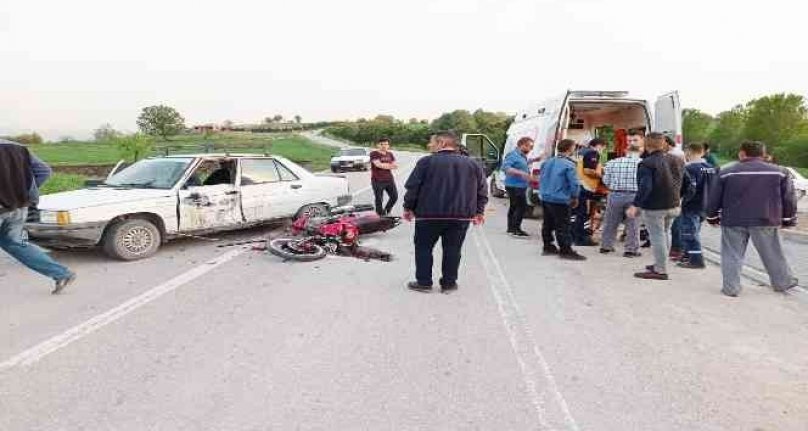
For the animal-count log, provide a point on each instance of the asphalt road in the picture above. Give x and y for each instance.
(203, 337)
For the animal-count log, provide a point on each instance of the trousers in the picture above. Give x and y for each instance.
(452, 234)
(766, 239)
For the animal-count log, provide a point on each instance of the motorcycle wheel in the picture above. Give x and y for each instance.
(285, 249)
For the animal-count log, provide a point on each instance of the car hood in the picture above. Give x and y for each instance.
(97, 196)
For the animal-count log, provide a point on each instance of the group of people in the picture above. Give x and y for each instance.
(665, 191)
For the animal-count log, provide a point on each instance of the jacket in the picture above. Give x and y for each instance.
(16, 176)
(700, 174)
(660, 182)
(558, 182)
(752, 193)
(447, 185)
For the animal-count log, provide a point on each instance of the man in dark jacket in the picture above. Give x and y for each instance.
(753, 199)
(21, 174)
(700, 174)
(445, 192)
(659, 191)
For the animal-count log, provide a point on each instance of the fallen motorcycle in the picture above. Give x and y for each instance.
(338, 233)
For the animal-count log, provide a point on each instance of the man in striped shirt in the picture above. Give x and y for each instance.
(620, 176)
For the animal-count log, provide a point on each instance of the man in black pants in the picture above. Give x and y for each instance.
(445, 191)
(516, 166)
(382, 163)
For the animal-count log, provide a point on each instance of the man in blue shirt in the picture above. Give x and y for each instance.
(559, 188)
(516, 166)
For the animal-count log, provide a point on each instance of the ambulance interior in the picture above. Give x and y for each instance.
(586, 118)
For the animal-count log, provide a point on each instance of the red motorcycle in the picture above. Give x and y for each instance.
(338, 233)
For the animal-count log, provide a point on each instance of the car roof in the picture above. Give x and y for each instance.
(216, 155)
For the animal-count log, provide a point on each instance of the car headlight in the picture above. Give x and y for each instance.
(55, 217)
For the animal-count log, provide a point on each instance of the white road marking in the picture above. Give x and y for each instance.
(39, 351)
(536, 373)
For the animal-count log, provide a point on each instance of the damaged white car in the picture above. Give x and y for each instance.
(144, 205)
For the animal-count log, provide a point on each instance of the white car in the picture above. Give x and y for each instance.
(800, 183)
(140, 207)
(351, 159)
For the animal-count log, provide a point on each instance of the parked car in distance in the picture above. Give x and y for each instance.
(800, 183)
(351, 159)
(156, 199)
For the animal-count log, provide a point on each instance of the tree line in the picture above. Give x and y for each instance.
(779, 120)
(417, 132)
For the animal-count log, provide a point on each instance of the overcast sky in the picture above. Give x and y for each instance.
(68, 66)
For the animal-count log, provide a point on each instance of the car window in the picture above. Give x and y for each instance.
(286, 174)
(258, 171)
(353, 152)
(151, 173)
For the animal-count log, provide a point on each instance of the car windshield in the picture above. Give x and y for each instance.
(352, 152)
(151, 173)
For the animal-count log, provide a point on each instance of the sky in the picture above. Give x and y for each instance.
(67, 67)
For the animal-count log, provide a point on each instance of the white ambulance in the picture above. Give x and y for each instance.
(577, 115)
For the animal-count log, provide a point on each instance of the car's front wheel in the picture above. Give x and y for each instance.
(132, 239)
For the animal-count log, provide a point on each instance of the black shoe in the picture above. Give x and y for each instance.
(550, 251)
(651, 275)
(519, 234)
(689, 265)
(61, 284)
(632, 254)
(571, 255)
(413, 285)
(606, 250)
(448, 288)
(794, 284)
(646, 244)
(586, 242)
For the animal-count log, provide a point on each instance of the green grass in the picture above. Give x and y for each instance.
(294, 147)
(62, 182)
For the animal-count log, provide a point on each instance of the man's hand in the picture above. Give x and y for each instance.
(478, 219)
(408, 215)
(632, 212)
(535, 159)
(574, 203)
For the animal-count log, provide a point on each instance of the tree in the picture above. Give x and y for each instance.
(160, 120)
(277, 118)
(775, 119)
(298, 119)
(727, 133)
(268, 120)
(461, 121)
(227, 125)
(105, 133)
(26, 138)
(134, 147)
(696, 125)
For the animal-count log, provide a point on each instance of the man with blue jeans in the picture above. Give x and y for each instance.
(445, 191)
(700, 174)
(659, 190)
(21, 175)
(516, 166)
(753, 199)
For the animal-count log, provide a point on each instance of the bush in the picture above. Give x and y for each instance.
(26, 139)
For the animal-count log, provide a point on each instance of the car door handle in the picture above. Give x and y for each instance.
(231, 192)
(296, 186)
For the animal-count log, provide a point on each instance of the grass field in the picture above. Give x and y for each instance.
(312, 155)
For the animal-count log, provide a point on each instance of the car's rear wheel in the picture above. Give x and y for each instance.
(132, 239)
(495, 190)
